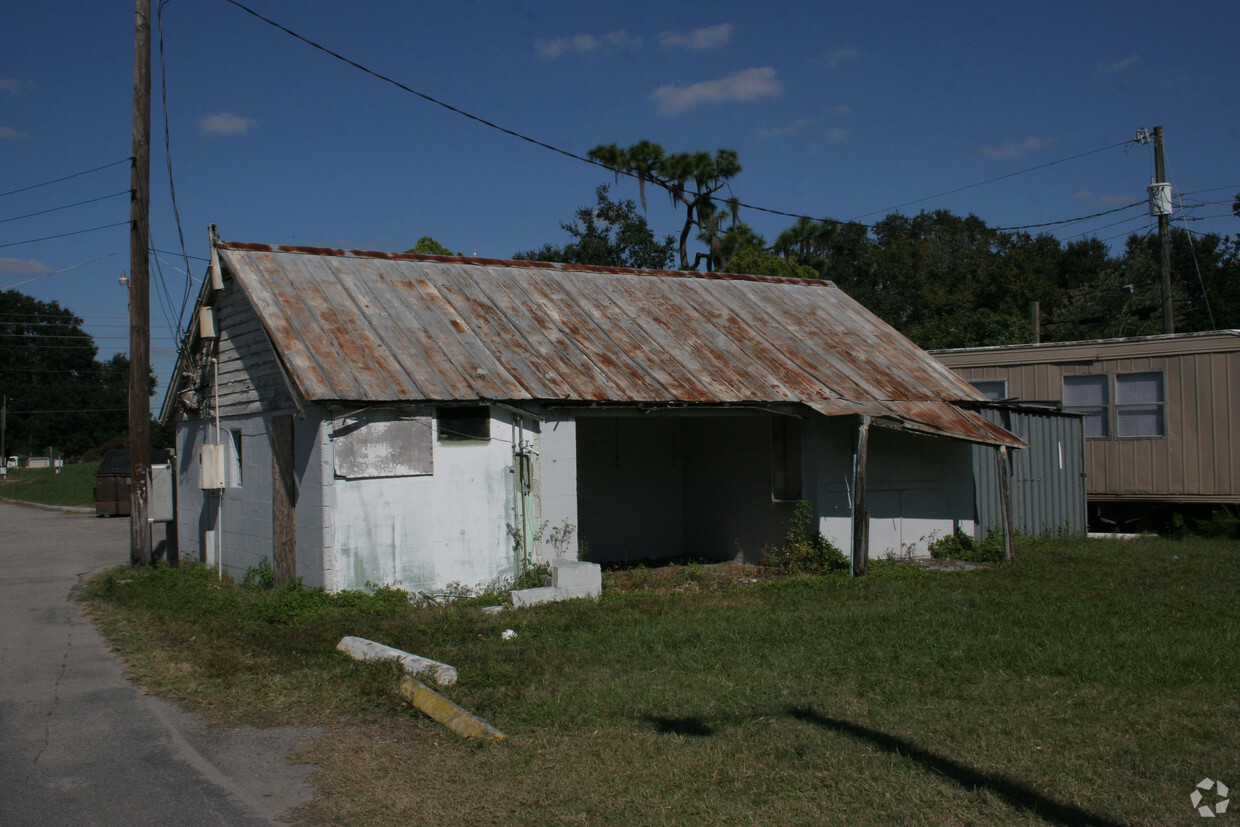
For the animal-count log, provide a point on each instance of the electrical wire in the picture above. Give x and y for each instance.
(991, 180)
(128, 160)
(574, 156)
(65, 207)
(1070, 220)
(65, 235)
(64, 270)
(172, 189)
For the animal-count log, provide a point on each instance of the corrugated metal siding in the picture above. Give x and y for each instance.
(1046, 480)
(1199, 459)
(367, 327)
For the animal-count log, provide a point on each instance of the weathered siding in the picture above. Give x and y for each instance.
(249, 375)
(1197, 460)
(1046, 480)
(244, 514)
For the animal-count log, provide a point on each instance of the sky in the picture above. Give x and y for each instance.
(1019, 113)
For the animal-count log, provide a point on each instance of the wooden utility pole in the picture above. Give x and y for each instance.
(1164, 236)
(139, 290)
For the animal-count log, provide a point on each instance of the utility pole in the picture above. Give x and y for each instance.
(1164, 235)
(139, 290)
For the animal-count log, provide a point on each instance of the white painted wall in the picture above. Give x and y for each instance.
(421, 533)
(557, 480)
(918, 487)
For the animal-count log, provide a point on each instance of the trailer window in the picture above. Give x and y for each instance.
(992, 389)
(1140, 405)
(1089, 394)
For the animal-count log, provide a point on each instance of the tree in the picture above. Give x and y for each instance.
(609, 234)
(691, 180)
(428, 246)
(59, 396)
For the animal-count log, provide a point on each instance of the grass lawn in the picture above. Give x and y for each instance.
(74, 485)
(1086, 683)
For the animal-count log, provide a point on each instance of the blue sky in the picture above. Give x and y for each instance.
(837, 110)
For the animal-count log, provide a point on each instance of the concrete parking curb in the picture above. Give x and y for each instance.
(455, 718)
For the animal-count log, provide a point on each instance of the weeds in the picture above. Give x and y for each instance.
(960, 546)
(805, 551)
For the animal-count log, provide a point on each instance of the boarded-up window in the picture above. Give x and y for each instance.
(1090, 395)
(786, 458)
(992, 389)
(1140, 405)
(382, 444)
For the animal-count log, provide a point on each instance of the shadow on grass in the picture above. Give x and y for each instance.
(680, 726)
(1015, 793)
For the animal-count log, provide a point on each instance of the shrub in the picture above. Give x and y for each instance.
(805, 552)
(960, 546)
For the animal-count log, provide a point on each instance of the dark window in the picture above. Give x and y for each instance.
(786, 458)
(465, 424)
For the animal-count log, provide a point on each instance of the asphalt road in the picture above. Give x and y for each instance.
(81, 745)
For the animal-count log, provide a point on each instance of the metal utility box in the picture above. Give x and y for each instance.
(211, 467)
(160, 508)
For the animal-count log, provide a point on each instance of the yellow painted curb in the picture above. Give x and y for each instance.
(460, 721)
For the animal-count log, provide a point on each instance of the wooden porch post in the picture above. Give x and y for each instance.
(860, 517)
(1005, 500)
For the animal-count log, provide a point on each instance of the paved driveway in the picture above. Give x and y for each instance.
(79, 744)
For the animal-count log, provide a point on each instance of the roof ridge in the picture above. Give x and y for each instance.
(243, 246)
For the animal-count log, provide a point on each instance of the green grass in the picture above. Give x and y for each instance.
(1088, 682)
(74, 485)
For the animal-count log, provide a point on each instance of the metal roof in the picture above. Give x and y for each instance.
(354, 326)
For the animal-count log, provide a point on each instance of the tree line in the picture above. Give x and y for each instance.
(60, 398)
(941, 279)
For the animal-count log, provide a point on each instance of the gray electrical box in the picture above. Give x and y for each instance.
(159, 494)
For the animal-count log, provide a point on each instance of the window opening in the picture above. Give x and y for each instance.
(464, 424)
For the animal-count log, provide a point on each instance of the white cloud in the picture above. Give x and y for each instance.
(699, 40)
(1083, 195)
(788, 129)
(1117, 200)
(838, 135)
(24, 267)
(1012, 149)
(226, 123)
(580, 44)
(15, 86)
(747, 85)
(835, 57)
(1117, 66)
(8, 133)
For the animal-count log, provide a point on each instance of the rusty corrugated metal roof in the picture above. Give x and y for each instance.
(379, 327)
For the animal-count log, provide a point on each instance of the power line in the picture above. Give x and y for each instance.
(65, 235)
(66, 269)
(992, 180)
(568, 154)
(65, 207)
(67, 177)
(1071, 220)
(172, 189)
